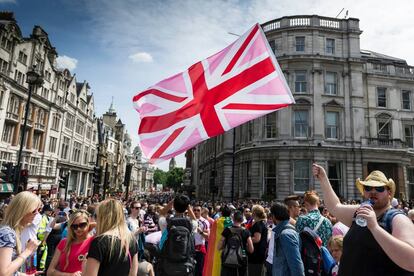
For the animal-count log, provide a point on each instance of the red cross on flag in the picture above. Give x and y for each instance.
(238, 84)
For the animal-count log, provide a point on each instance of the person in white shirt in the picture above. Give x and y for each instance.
(269, 258)
(203, 232)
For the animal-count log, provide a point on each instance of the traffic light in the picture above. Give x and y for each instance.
(97, 175)
(7, 171)
(24, 177)
(63, 180)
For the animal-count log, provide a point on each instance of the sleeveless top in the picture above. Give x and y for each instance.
(362, 255)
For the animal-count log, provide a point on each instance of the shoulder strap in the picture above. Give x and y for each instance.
(386, 221)
(319, 224)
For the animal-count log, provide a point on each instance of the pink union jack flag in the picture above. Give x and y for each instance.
(238, 84)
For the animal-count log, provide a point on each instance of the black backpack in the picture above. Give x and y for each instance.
(233, 254)
(312, 252)
(177, 254)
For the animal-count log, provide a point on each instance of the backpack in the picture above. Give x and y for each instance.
(177, 254)
(233, 254)
(316, 258)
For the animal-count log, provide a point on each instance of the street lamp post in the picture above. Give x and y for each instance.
(33, 78)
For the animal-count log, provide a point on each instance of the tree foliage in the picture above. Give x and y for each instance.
(175, 178)
(160, 177)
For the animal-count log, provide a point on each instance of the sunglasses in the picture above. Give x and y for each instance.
(36, 211)
(136, 208)
(80, 226)
(197, 210)
(378, 189)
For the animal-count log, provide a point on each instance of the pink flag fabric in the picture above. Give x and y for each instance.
(238, 84)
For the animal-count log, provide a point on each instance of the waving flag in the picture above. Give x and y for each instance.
(238, 84)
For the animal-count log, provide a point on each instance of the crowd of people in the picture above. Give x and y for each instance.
(169, 234)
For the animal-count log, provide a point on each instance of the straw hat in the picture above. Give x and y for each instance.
(376, 179)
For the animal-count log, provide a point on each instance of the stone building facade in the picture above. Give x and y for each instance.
(60, 133)
(353, 114)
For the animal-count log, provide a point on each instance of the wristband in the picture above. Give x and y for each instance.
(20, 256)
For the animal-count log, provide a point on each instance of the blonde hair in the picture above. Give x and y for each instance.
(111, 222)
(336, 241)
(21, 205)
(71, 234)
(259, 212)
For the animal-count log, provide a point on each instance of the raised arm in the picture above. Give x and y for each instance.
(344, 213)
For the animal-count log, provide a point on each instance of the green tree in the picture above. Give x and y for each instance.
(175, 178)
(160, 177)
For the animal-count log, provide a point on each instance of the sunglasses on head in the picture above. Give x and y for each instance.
(378, 189)
(80, 225)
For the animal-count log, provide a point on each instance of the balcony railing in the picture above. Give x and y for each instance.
(311, 21)
(386, 143)
(12, 116)
(39, 126)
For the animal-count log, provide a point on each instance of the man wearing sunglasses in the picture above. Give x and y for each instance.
(386, 245)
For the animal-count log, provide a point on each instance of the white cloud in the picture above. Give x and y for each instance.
(141, 57)
(65, 62)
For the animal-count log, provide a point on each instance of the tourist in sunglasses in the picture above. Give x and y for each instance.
(386, 245)
(72, 251)
(19, 215)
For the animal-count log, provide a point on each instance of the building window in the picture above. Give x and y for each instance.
(52, 144)
(70, 121)
(77, 148)
(22, 57)
(55, 121)
(406, 100)
(34, 166)
(65, 147)
(3, 66)
(331, 83)
(335, 176)
(19, 77)
(270, 178)
(410, 178)
(301, 172)
(8, 131)
(300, 81)
(85, 155)
(36, 141)
(330, 46)
(409, 135)
(332, 125)
(88, 132)
(300, 44)
(381, 97)
(301, 123)
(80, 127)
(5, 157)
(272, 45)
(270, 125)
(384, 127)
(49, 168)
(92, 156)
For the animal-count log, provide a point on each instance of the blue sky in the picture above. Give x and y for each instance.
(124, 46)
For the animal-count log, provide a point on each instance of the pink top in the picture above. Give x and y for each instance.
(77, 254)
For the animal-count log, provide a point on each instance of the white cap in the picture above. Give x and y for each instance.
(394, 202)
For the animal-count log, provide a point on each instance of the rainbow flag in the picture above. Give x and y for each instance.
(212, 262)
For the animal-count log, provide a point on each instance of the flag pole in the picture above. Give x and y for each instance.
(233, 164)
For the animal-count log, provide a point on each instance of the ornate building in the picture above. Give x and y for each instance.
(353, 114)
(60, 133)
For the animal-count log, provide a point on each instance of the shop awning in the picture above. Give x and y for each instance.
(6, 188)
